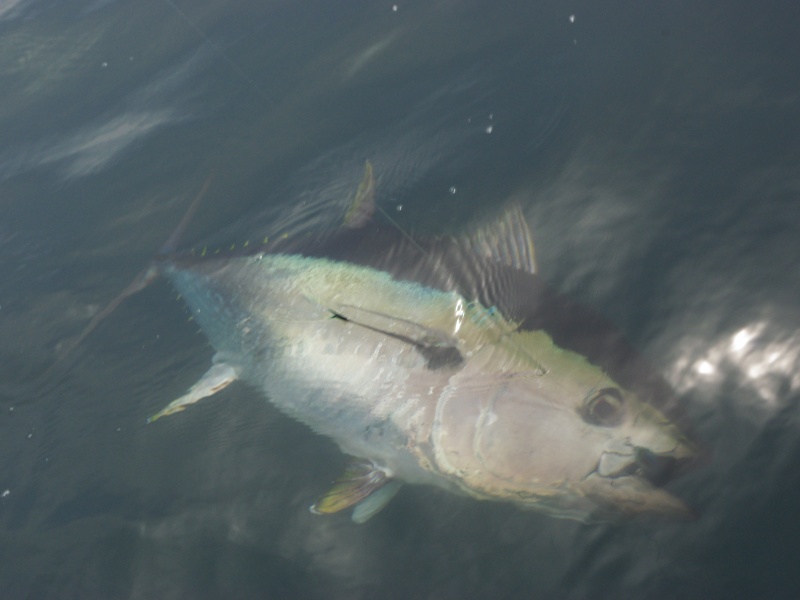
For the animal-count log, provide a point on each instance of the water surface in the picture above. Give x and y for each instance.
(654, 149)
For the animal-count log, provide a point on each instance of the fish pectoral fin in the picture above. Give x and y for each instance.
(217, 378)
(439, 349)
(363, 484)
(405, 329)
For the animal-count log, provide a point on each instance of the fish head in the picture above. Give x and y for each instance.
(531, 423)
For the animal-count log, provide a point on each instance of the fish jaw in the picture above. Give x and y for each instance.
(632, 496)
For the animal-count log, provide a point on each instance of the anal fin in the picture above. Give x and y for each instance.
(218, 377)
(363, 485)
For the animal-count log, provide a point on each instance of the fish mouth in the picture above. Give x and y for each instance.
(655, 468)
(633, 477)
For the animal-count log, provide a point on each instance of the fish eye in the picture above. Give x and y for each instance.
(605, 408)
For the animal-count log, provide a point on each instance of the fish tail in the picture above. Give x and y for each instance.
(141, 281)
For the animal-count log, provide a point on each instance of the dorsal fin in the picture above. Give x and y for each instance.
(363, 205)
(507, 241)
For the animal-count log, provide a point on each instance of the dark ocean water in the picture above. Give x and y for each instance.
(655, 148)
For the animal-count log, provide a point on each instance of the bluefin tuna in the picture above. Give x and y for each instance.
(446, 363)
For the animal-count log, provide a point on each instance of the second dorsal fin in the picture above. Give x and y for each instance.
(363, 205)
(507, 241)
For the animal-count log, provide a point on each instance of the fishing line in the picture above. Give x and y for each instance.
(396, 225)
(251, 82)
(150, 272)
(206, 39)
(238, 70)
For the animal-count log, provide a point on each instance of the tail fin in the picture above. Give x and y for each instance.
(141, 281)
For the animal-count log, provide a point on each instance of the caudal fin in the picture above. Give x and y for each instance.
(141, 281)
